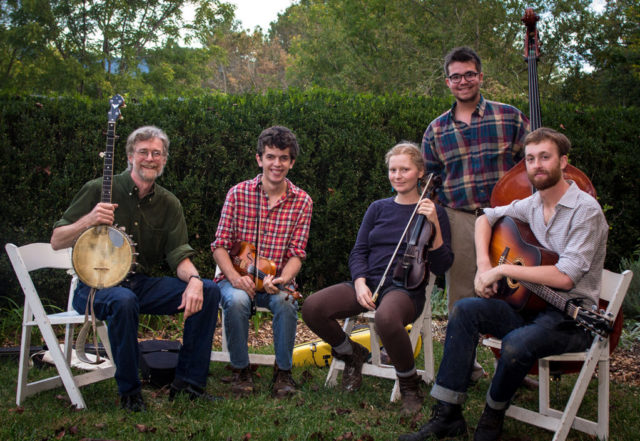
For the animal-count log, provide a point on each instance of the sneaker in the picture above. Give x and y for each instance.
(242, 382)
(446, 421)
(352, 373)
(410, 393)
(133, 402)
(490, 424)
(180, 387)
(283, 384)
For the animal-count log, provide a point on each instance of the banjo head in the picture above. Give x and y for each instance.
(102, 256)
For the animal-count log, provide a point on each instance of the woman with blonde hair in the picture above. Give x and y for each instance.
(396, 306)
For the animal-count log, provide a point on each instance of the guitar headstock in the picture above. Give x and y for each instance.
(114, 110)
(594, 321)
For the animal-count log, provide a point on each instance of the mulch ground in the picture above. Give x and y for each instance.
(624, 368)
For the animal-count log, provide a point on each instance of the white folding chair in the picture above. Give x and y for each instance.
(421, 329)
(223, 355)
(38, 256)
(614, 288)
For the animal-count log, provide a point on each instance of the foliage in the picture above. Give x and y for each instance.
(147, 48)
(631, 305)
(613, 50)
(94, 48)
(49, 148)
(315, 413)
(382, 47)
(630, 334)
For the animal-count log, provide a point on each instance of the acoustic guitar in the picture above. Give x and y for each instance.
(513, 242)
(103, 255)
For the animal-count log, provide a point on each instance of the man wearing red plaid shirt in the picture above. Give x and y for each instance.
(273, 215)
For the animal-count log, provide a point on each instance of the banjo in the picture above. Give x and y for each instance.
(103, 254)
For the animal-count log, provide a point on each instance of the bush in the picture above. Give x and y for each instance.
(49, 147)
(631, 304)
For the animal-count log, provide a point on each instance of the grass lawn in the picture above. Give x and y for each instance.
(316, 413)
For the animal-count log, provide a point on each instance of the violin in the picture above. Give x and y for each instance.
(243, 258)
(412, 269)
(515, 184)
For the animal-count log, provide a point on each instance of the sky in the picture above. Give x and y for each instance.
(252, 13)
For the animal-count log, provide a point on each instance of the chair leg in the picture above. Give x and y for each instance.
(63, 367)
(581, 385)
(336, 365)
(23, 365)
(603, 399)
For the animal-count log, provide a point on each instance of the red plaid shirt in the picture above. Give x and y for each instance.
(285, 227)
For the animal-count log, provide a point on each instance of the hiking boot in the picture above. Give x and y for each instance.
(446, 420)
(133, 402)
(490, 424)
(242, 382)
(283, 384)
(352, 373)
(412, 396)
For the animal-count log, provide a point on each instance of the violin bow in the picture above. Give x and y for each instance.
(404, 233)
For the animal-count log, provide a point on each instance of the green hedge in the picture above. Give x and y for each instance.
(49, 147)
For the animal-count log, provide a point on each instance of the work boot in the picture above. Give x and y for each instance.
(242, 382)
(490, 424)
(179, 387)
(283, 384)
(352, 373)
(412, 396)
(133, 402)
(446, 420)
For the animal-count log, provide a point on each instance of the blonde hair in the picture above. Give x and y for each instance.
(406, 148)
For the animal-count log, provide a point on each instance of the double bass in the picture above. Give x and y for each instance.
(515, 183)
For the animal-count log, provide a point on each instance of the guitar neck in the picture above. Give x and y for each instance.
(552, 297)
(107, 171)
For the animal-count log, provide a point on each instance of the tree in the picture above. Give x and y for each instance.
(92, 47)
(613, 50)
(378, 46)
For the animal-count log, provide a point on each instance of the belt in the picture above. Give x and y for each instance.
(477, 212)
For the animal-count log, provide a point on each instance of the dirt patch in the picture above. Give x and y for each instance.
(625, 363)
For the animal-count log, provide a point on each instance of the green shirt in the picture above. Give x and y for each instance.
(155, 223)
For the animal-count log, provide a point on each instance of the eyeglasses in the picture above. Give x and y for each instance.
(155, 154)
(468, 76)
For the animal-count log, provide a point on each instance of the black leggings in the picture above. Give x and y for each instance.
(322, 310)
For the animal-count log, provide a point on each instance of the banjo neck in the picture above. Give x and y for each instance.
(107, 170)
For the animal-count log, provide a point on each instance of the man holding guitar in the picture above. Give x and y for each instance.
(564, 220)
(154, 219)
(270, 217)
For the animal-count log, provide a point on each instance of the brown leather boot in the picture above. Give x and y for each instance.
(283, 384)
(352, 374)
(242, 382)
(412, 396)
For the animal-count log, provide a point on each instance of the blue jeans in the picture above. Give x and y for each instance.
(236, 304)
(120, 306)
(524, 341)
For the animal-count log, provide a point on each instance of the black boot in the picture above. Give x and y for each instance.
(490, 424)
(446, 420)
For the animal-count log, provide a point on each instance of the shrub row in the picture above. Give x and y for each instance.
(50, 146)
